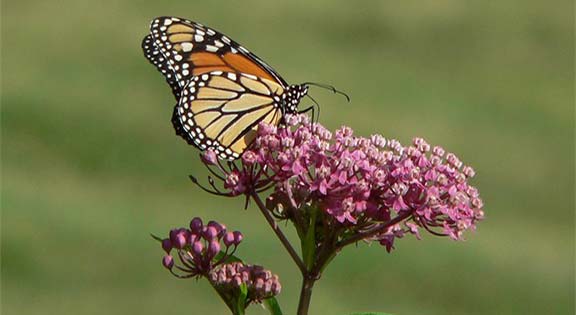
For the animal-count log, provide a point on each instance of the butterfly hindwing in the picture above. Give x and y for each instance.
(221, 110)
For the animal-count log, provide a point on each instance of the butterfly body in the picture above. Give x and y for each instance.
(223, 91)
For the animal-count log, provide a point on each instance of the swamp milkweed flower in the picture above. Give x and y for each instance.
(363, 188)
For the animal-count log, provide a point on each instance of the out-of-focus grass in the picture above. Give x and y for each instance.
(90, 164)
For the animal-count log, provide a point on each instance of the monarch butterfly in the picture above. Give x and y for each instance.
(223, 91)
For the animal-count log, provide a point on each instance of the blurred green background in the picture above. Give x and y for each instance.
(91, 165)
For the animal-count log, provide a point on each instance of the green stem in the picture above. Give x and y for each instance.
(279, 233)
(305, 295)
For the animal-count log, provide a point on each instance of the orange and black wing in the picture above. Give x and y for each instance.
(224, 90)
(191, 49)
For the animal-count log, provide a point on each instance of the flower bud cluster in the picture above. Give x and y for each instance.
(199, 248)
(261, 283)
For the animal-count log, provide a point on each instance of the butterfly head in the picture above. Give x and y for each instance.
(293, 95)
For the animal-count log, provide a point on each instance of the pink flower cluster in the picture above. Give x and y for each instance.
(366, 186)
(198, 248)
(261, 283)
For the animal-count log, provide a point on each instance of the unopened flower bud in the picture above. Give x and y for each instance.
(166, 245)
(220, 228)
(259, 284)
(196, 225)
(213, 248)
(238, 237)
(210, 233)
(180, 240)
(168, 262)
(209, 157)
(229, 239)
(197, 248)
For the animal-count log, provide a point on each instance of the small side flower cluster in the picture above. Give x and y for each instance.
(261, 283)
(199, 248)
(368, 188)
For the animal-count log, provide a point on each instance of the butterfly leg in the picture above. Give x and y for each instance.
(311, 109)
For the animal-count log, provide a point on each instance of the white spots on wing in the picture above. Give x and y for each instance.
(211, 48)
(177, 57)
(185, 66)
(198, 38)
(185, 72)
(226, 39)
(253, 77)
(186, 46)
(204, 77)
(244, 50)
(218, 43)
(200, 32)
(210, 32)
(167, 22)
(232, 76)
(233, 50)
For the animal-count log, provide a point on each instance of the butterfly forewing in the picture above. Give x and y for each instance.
(193, 49)
(152, 53)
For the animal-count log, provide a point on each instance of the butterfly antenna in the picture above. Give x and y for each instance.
(328, 87)
(315, 105)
